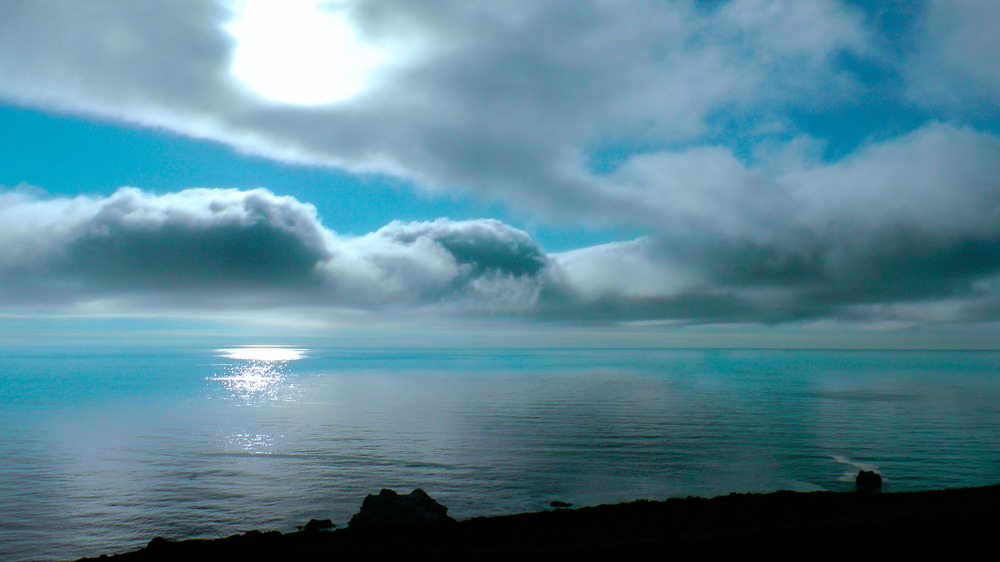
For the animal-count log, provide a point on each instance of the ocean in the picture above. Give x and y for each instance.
(105, 447)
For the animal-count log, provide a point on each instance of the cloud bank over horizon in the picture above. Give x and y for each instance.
(217, 250)
(786, 161)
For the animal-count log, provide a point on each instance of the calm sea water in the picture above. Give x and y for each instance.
(103, 449)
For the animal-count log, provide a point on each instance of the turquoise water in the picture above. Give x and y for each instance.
(105, 448)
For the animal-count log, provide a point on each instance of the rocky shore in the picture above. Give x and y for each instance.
(780, 524)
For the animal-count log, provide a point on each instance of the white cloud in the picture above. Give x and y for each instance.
(627, 268)
(957, 59)
(506, 102)
(939, 179)
(702, 188)
(776, 30)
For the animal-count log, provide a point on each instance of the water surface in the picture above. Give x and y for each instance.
(106, 448)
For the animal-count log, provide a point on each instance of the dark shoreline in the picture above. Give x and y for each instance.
(779, 523)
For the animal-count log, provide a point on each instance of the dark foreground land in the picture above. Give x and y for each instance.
(780, 525)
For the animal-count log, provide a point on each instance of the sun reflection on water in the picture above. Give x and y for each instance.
(258, 373)
(253, 443)
(263, 353)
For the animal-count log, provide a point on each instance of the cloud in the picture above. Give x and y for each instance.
(956, 63)
(872, 237)
(507, 103)
(685, 120)
(907, 221)
(148, 62)
(480, 265)
(198, 244)
(219, 249)
(515, 103)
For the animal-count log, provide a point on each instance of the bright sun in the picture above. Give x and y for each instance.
(302, 52)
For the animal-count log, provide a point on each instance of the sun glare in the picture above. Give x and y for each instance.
(302, 52)
(260, 373)
(263, 353)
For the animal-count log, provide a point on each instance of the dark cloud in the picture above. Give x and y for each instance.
(480, 247)
(689, 307)
(177, 253)
(907, 267)
(478, 265)
(221, 249)
(198, 243)
(212, 249)
(903, 224)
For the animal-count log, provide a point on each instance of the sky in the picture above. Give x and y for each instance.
(750, 165)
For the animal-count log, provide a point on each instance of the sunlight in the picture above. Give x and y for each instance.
(263, 353)
(259, 374)
(253, 443)
(302, 52)
(256, 379)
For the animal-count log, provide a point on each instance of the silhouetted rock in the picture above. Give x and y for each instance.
(868, 481)
(559, 504)
(158, 543)
(315, 525)
(389, 509)
(781, 525)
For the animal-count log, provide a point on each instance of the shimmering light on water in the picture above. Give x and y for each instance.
(259, 373)
(263, 353)
(104, 449)
(253, 443)
(257, 379)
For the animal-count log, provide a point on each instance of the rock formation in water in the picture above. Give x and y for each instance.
(868, 482)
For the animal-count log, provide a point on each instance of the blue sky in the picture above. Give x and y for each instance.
(673, 165)
(69, 155)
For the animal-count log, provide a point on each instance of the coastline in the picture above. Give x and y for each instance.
(778, 522)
